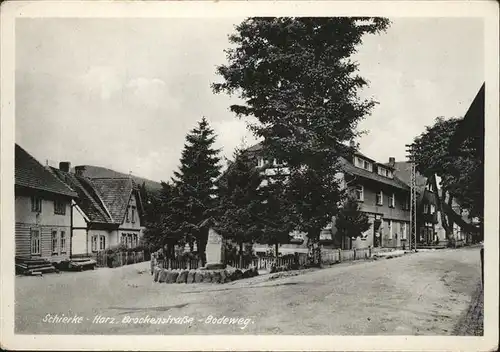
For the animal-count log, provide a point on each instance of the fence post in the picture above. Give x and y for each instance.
(354, 251)
(340, 255)
(481, 253)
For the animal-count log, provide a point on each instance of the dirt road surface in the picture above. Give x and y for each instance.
(418, 294)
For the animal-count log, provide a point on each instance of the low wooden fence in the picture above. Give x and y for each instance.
(339, 255)
(120, 258)
(265, 263)
(178, 263)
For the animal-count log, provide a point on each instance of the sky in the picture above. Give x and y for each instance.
(123, 93)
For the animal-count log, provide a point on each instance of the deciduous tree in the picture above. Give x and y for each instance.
(296, 76)
(460, 170)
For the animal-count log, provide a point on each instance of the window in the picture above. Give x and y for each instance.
(102, 243)
(59, 207)
(359, 193)
(380, 198)
(36, 204)
(392, 201)
(363, 164)
(127, 215)
(382, 171)
(428, 187)
(35, 241)
(133, 214)
(54, 242)
(260, 162)
(406, 205)
(389, 224)
(63, 242)
(124, 239)
(403, 230)
(135, 240)
(94, 243)
(426, 208)
(432, 208)
(358, 162)
(390, 174)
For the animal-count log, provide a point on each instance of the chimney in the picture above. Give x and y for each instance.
(392, 161)
(79, 170)
(65, 166)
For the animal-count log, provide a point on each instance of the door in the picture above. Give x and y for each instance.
(376, 233)
(35, 242)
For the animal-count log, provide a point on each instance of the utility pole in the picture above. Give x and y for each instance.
(413, 200)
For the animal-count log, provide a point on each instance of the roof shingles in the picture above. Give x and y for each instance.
(31, 174)
(115, 193)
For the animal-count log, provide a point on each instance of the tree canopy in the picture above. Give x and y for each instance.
(351, 221)
(192, 195)
(295, 75)
(460, 169)
(240, 200)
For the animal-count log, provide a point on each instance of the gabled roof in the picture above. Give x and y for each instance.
(115, 194)
(353, 170)
(88, 200)
(31, 174)
(356, 171)
(92, 172)
(255, 148)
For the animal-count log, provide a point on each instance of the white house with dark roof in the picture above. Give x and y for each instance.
(42, 211)
(107, 212)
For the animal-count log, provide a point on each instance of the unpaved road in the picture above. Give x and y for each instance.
(419, 294)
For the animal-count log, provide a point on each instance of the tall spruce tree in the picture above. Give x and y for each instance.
(195, 192)
(159, 220)
(295, 75)
(240, 201)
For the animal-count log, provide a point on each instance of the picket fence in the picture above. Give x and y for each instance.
(178, 263)
(265, 263)
(339, 255)
(328, 257)
(121, 258)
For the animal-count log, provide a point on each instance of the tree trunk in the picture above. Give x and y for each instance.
(449, 234)
(241, 255)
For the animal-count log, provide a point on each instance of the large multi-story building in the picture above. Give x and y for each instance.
(381, 195)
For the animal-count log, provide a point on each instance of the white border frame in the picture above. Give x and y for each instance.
(488, 10)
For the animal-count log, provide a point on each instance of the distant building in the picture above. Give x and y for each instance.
(430, 230)
(381, 195)
(42, 211)
(107, 213)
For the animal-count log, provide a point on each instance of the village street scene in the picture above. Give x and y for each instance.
(278, 175)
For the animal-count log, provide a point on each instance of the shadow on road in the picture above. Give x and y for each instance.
(243, 287)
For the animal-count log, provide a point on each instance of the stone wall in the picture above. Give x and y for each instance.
(216, 276)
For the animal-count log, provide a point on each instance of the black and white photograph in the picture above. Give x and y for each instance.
(250, 175)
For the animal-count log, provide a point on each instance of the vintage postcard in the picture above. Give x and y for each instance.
(249, 175)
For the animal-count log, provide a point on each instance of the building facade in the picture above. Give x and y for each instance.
(107, 212)
(381, 195)
(42, 211)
